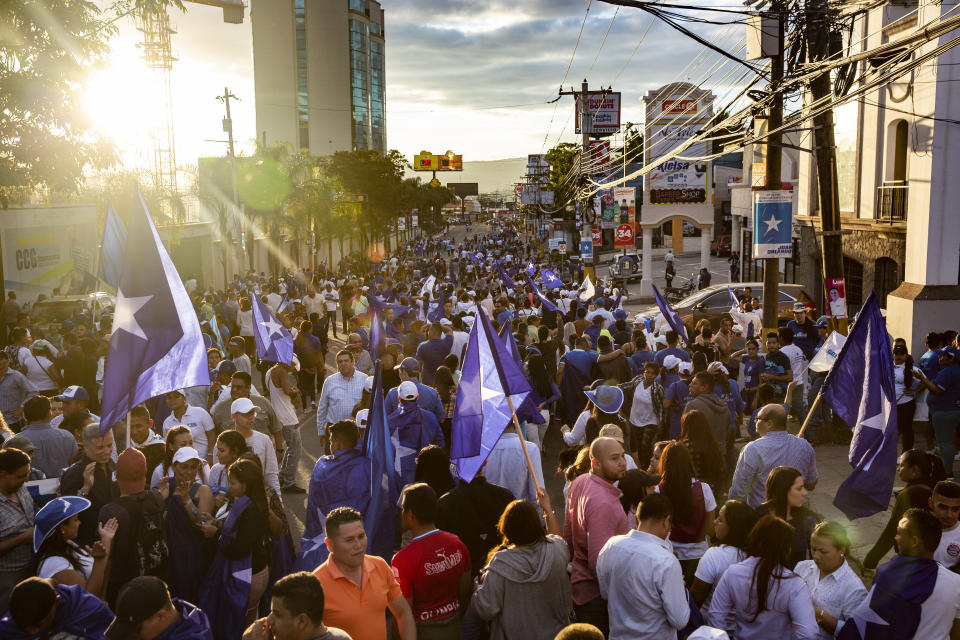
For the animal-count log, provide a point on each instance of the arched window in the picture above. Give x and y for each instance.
(886, 278)
(853, 273)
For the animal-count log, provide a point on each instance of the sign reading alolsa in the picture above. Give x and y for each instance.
(677, 181)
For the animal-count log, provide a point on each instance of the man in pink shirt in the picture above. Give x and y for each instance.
(594, 515)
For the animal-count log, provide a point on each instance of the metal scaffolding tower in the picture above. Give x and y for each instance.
(159, 57)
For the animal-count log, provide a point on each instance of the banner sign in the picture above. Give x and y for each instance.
(531, 194)
(624, 203)
(772, 224)
(603, 113)
(677, 181)
(623, 237)
(586, 248)
(596, 236)
(599, 156)
(836, 297)
(609, 217)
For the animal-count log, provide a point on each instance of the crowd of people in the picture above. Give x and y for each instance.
(684, 513)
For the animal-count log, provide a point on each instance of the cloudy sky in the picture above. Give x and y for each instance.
(455, 71)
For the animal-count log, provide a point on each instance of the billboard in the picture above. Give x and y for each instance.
(625, 202)
(537, 165)
(836, 297)
(603, 113)
(677, 181)
(532, 194)
(598, 156)
(47, 248)
(426, 161)
(772, 224)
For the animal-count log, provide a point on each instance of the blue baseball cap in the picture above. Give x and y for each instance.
(55, 513)
(821, 322)
(226, 366)
(619, 314)
(951, 351)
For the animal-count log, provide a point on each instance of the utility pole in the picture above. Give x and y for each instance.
(226, 237)
(774, 161)
(819, 40)
(588, 269)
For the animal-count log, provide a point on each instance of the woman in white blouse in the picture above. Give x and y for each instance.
(835, 589)
(60, 557)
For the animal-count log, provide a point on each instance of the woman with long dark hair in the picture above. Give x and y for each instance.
(229, 601)
(693, 506)
(905, 384)
(731, 529)
(695, 434)
(785, 495)
(921, 471)
(58, 555)
(765, 598)
(524, 590)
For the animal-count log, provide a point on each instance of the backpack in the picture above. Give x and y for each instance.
(150, 545)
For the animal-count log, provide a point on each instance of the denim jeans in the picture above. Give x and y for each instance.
(291, 456)
(595, 613)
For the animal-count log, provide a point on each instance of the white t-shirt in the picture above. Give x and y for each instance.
(36, 370)
(330, 299)
(262, 445)
(55, 564)
(711, 567)
(641, 412)
(694, 550)
(942, 607)
(245, 320)
(199, 422)
(948, 552)
(797, 361)
(313, 304)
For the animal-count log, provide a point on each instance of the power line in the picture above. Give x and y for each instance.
(565, 73)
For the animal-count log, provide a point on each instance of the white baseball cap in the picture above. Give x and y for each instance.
(685, 367)
(368, 384)
(242, 405)
(670, 362)
(408, 390)
(363, 417)
(184, 454)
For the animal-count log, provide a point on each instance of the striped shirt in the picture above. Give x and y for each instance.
(338, 398)
(758, 459)
(16, 517)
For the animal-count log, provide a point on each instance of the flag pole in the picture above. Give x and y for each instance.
(523, 444)
(806, 422)
(126, 438)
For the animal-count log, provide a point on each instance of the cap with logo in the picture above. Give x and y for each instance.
(73, 392)
(410, 365)
(55, 513)
(408, 391)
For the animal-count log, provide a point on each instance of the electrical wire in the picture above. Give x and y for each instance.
(566, 72)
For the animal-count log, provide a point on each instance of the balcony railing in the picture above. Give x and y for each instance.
(891, 203)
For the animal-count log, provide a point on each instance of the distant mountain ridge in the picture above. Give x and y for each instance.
(490, 175)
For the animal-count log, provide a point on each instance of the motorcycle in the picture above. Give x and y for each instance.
(676, 294)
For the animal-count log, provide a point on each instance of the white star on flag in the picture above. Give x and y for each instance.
(399, 451)
(865, 614)
(551, 277)
(244, 575)
(316, 543)
(773, 224)
(272, 326)
(124, 314)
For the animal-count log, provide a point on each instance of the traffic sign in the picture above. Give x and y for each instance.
(597, 236)
(623, 237)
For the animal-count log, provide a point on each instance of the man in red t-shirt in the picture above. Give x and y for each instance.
(434, 569)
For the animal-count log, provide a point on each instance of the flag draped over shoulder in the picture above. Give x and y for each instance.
(274, 342)
(860, 389)
(156, 345)
(893, 606)
(671, 316)
(489, 377)
(380, 520)
(226, 587)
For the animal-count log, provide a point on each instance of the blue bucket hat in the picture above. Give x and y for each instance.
(55, 513)
(608, 399)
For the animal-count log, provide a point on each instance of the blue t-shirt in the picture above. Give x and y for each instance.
(638, 359)
(948, 380)
(805, 336)
(678, 394)
(751, 371)
(580, 359)
(929, 363)
(733, 399)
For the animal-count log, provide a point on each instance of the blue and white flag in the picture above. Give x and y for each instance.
(215, 327)
(505, 279)
(550, 279)
(285, 303)
(489, 377)
(376, 336)
(156, 345)
(671, 316)
(226, 587)
(733, 298)
(530, 268)
(861, 391)
(380, 520)
(586, 291)
(111, 248)
(274, 342)
(893, 607)
(544, 300)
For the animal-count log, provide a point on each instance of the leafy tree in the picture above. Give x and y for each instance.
(633, 149)
(376, 177)
(48, 49)
(561, 159)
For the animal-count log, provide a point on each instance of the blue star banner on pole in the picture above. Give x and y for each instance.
(505, 279)
(111, 249)
(379, 521)
(156, 345)
(671, 316)
(530, 268)
(773, 224)
(376, 336)
(544, 300)
(733, 298)
(550, 279)
(488, 377)
(866, 362)
(274, 342)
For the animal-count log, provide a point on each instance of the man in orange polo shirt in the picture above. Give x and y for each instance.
(357, 587)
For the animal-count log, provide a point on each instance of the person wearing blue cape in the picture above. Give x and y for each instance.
(411, 429)
(40, 608)
(238, 576)
(338, 480)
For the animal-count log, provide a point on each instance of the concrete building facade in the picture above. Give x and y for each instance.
(319, 74)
